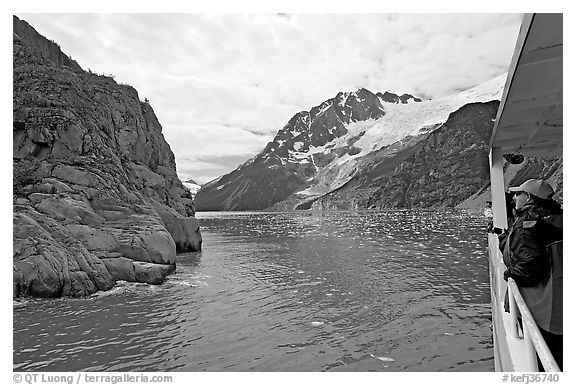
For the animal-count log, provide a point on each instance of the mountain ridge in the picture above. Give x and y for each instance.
(318, 150)
(440, 169)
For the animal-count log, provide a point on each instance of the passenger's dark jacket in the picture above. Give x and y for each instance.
(535, 227)
(537, 272)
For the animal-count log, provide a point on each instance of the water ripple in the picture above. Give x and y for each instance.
(304, 291)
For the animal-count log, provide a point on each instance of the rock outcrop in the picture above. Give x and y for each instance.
(389, 97)
(96, 195)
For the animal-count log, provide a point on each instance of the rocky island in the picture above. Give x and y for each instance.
(96, 197)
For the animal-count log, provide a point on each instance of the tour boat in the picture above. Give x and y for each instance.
(528, 123)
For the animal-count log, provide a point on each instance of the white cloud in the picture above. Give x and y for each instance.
(213, 79)
(213, 140)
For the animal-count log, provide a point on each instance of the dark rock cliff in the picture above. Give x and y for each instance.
(96, 195)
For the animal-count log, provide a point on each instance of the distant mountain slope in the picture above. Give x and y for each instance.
(285, 165)
(439, 169)
(192, 186)
(320, 150)
(549, 169)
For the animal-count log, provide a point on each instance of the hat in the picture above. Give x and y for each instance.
(536, 187)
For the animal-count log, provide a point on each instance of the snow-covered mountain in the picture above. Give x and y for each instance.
(320, 150)
(192, 186)
(402, 120)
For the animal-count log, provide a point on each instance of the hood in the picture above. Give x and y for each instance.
(550, 214)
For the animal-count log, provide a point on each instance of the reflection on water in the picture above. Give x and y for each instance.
(304, 291)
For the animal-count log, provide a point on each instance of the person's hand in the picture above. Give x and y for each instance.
(495, 230)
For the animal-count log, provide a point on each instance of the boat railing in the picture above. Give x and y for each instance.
(533, 340)
(525, 342)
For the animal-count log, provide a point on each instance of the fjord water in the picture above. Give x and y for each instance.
(300, 291)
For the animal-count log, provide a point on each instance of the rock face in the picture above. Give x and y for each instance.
(96, 195)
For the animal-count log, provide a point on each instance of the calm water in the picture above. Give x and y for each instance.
(344, 291)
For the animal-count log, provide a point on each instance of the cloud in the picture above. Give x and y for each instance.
(208, 168)
(224, 84)
(210, 146)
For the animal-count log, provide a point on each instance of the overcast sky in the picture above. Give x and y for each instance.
(222, 85)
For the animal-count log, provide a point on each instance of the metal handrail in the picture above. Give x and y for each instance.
(534, 341)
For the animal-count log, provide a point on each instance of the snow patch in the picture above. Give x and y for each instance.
(343, 99)
(282, 160)
(323, 110)
(192, 187)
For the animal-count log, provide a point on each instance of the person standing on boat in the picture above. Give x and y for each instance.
(532, 251)
(488, 210)
(489, 215)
